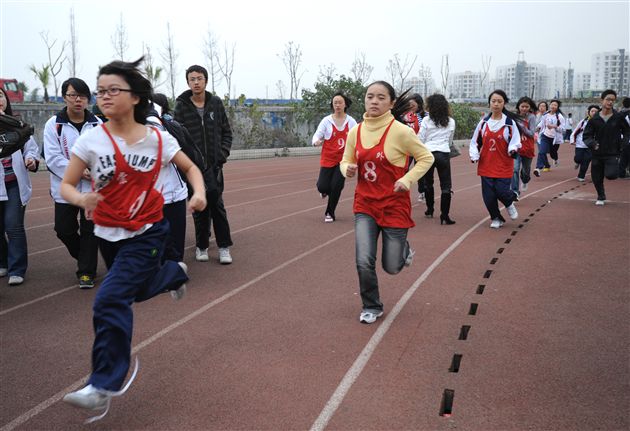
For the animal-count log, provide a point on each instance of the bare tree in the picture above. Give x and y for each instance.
(211, 52)
(280, 87)
(152, 71)
(120, 40)
(327, 73)
(445, 71)
(292, 58)
(399, 70)
(485, 68)
(227, 67)
(169, 56)
(361, 70)
(426, 79)
(74, 53)
(55, 65)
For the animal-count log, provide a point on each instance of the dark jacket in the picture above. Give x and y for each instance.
(606, 136)
(212, 132)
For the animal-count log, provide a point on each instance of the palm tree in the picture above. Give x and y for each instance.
(43, 75)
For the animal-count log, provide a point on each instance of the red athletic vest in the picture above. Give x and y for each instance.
(411, 119)
(494, 160)
(527, 144)
(333, 147)
(130, 200)
(374, 194)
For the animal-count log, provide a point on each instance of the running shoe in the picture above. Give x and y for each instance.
(599, 202)
(88, 398)
(537, 172)
(580, 179)
(328, 219)
(225, 258)
(201, 254)
(556, 163)
(369, 316)
(512, 212)
(546, 169)
(496, 223)
(409, 259)
(3, 272)
(179, 293)
(86, 282)
(524, 187)
(421, 197)
(14, 280)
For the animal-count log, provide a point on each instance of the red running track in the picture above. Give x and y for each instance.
(526, 326)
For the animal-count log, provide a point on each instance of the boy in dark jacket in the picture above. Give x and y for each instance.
(203, 115)
(604, 135)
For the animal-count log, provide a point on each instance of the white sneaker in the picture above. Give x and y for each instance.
(225, 258)
(512, 212)
(598, 202)
(179, 293)
(580, 179)
(369, 316)
(328, 219)
(496, 223)
(14, 280)
(556, 163)
(201, 255)
(524, 187)
(410, 256)
(3, 272)
(421, 197)
(88, 398)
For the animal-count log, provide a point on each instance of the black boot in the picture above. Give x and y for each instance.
(445, 207)
(430, 201)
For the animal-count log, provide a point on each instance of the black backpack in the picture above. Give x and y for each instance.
(14, 133)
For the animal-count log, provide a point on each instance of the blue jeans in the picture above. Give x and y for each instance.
(494, 190)
(14, 254)
(522, 170)
(545, 146)
(394, 254)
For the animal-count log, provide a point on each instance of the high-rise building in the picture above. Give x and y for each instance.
(465, 85)
(422, 86)
(610, 70)
(522, 79)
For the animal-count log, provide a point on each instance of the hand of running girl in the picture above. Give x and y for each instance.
(351, 170)
(88, 201)
(197, 202)
(400, 187)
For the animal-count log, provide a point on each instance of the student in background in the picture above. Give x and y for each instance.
(583, 154)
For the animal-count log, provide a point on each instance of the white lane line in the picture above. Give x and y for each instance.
(41, 298)
(77, 384)
(359, 364)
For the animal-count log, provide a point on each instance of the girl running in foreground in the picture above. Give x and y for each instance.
(377, 152)
(125, 158)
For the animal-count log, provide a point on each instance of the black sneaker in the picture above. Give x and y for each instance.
(86, 282)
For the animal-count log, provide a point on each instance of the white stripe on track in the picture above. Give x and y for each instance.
(77, 384)
(359, 364)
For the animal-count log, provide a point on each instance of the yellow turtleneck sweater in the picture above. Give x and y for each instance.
(400, 143)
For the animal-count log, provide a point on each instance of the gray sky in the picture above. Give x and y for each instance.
(329, 32)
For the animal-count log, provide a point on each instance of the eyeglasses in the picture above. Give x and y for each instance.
(114, 91)
(74, 96)
(196, 79)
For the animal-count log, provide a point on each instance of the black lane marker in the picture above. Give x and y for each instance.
(446, 408)
(543, 205)
(455, 363)
(532, 215)
(514, 232)
(463, 332)
(499, 251)
(480, 289)
(507, 241)
(473, 309)
(493, 261)
(537, 209)
(487, 274)
(526, 220)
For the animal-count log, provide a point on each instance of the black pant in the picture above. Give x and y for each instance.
(624, 160)
(175, 214)
(331, 182)
(553, 151)
(78, 237)
(606, 166)
(582, 158)
(215, 213)
(443, 165)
